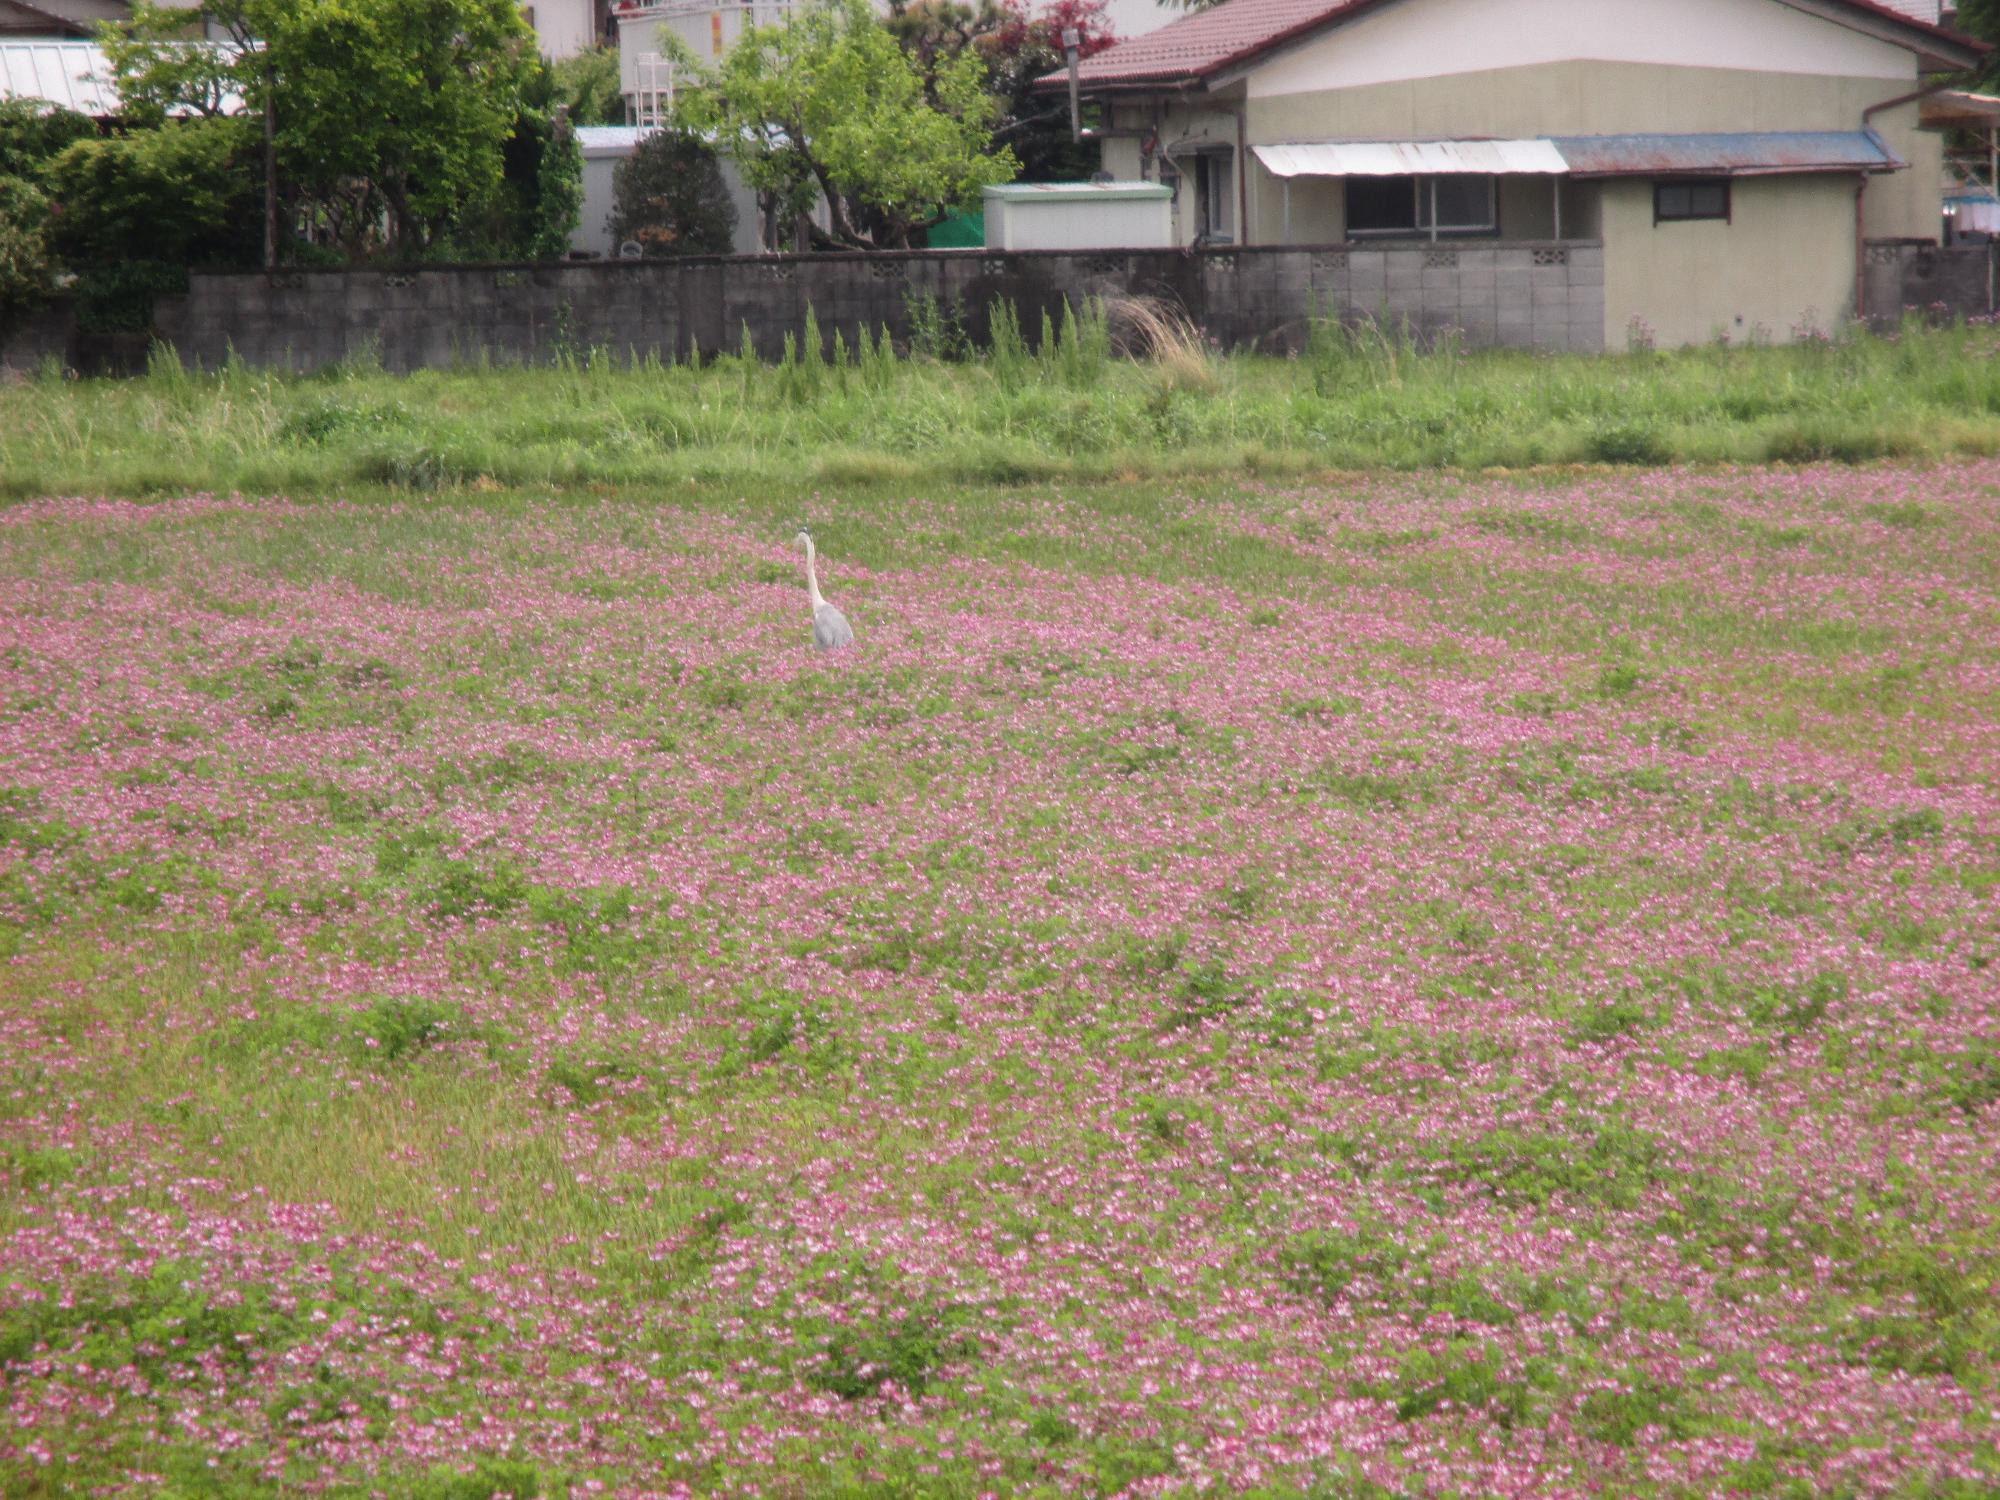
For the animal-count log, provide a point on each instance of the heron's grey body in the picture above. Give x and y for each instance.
(831, 631)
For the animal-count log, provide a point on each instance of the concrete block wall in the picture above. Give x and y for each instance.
(1953, 281)
(1519, 295)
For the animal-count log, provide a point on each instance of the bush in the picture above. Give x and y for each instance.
(558, 193)
(587, 84)
(32, 135)
(668, 195)
(24, 248)
(118, 298)
(188, 194)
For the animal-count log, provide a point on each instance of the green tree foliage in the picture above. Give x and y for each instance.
(33, 134)
(831, 106)
(668, 195)
(588, 85)
(25, 262)
(187, 193)
(401, 107)
(162, 69)
(558, 192)
(1981, 18)
(1018, 45)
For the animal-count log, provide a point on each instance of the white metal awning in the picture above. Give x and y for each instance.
(1412, 158)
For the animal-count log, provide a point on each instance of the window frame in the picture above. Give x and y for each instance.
(1419, 227)
(1662, 184)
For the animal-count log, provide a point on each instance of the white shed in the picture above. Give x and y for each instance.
(1080, 216)
(603, 146)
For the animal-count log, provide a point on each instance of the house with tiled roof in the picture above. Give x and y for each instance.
(1725, 162)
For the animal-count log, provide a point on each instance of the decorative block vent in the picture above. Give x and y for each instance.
(1884, 255)
(1556, 256)
(1102, 265)
(1330, 260)
(1222, 263)
(286, 281)
(888, 270)
(510, 278)
(993, 265)
(782, 272)
(1447, 260)
(399, 279)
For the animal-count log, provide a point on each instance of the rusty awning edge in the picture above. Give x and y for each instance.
(1727, 154)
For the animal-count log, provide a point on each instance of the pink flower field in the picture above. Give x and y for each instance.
(1400, 988)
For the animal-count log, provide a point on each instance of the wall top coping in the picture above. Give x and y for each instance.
(876, 257)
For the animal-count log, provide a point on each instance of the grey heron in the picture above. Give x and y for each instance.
(830, 628)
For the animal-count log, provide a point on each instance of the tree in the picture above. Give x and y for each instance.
(32, 134)
(1017, 46)
(1981, 18)
(406, 103)
(25, 262)
(829, 106)
(185, 194)
(1025, 46)
(588, 84)
(668, 195)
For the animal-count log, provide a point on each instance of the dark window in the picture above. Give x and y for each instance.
(1674, 202)
(1464, 204)
(1402, 205)
(1381, 205)
(1215, 189)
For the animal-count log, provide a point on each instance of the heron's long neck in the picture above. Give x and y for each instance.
(812, 577)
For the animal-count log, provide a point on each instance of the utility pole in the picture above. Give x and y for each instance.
(1072, 39)
(270, 169)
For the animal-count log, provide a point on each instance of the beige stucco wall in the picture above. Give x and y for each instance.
(1440, 38)
(1586, 98)
(1785, 260)
(1557, 99)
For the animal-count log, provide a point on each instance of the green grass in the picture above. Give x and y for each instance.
(1350, 402)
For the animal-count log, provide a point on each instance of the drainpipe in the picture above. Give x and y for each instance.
(1242, 180)
(1861, 251)
(1861, 193)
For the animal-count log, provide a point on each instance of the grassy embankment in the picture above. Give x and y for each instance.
(1352, 402)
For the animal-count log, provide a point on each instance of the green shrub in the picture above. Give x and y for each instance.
(558, 193)
(119, 297)
(187, 194)
(1629, 442)
(668, 196)
(32, 134)
(25, 265)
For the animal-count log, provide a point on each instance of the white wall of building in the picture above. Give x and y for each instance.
(563, 28)
(1437, 38)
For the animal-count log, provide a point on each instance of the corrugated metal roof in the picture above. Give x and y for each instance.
(71, 74)
(74, 75)
(1212, 40)
(1407, 158)
(1726, 154)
